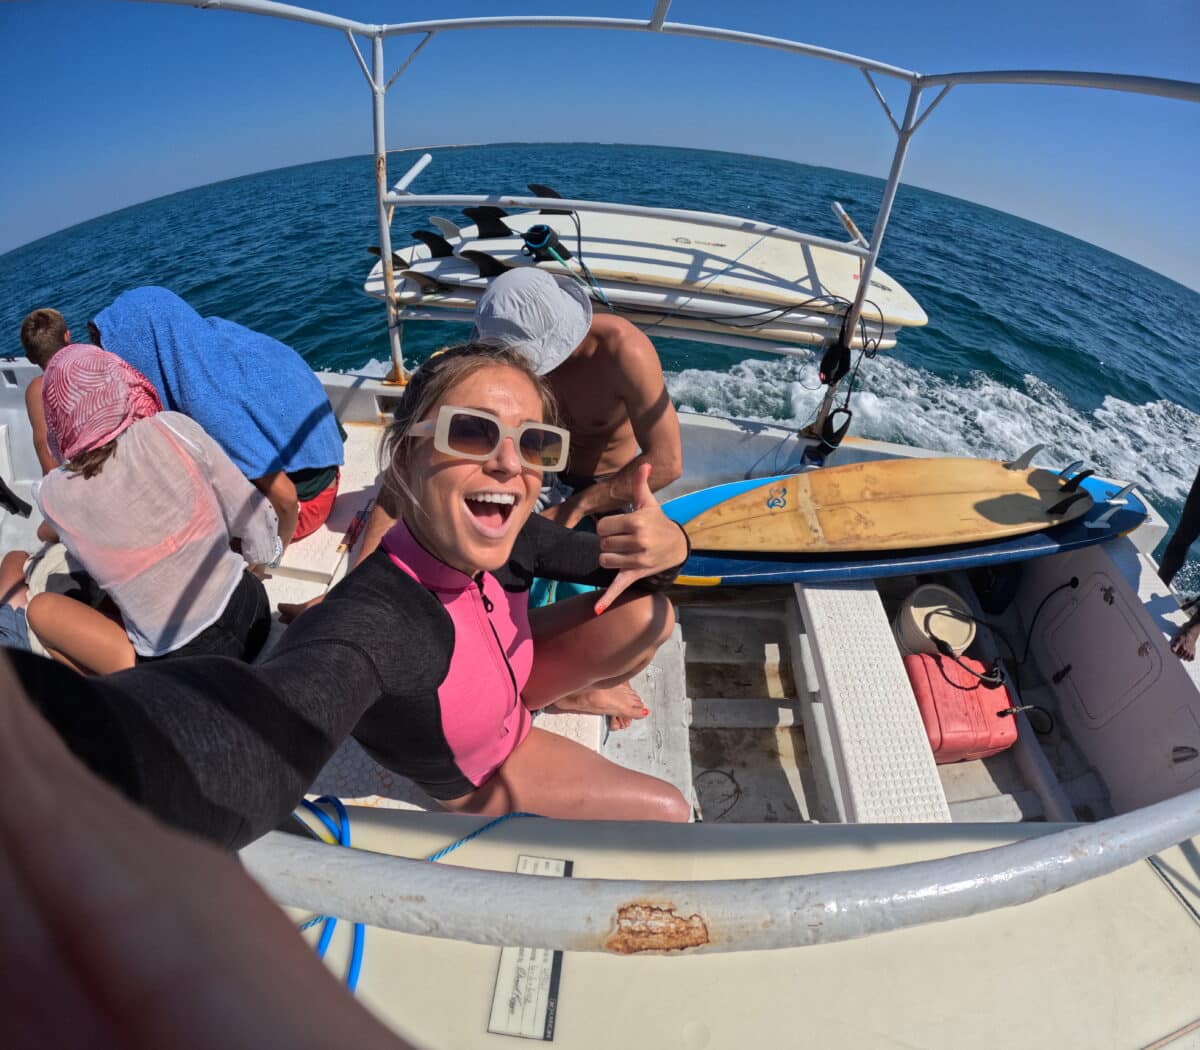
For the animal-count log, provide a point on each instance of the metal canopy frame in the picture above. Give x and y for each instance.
(913, 118)
(575, 913)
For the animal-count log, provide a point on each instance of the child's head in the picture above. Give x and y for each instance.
(43, 333)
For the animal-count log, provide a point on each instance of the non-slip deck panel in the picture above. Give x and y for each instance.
(884, 763)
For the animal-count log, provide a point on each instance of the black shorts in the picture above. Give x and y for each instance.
(240, 631)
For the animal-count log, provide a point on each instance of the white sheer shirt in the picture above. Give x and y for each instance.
(153, 528)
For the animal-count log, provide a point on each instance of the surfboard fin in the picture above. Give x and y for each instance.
(1070, 468)
(1063, 505)
(447, 228)
(1023, 461)
(540, 189)
(1077, 480)
(397, 261)
(487, 219)
(423, 280)
(1115, 502)
(439, 247)
(487, 265)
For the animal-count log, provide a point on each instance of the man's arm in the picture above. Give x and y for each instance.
(643, 389)
(37, 423)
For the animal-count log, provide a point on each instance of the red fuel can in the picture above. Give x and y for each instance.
(960, 712)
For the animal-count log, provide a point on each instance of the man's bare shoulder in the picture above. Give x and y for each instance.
(625, 344)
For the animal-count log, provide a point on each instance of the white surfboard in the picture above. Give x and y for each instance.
(708, 261)
(415, 295)
(459, 272)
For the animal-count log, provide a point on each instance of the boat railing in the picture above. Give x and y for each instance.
(728, 915)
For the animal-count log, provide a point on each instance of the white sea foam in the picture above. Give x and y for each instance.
(1152, 444)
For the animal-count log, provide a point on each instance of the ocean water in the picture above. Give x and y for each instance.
(1034, 336)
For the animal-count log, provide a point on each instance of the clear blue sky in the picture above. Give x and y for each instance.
(105, 104)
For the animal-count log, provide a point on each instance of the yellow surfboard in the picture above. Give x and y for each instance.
(896, 504)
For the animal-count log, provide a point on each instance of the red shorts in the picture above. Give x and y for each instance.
(314, 512)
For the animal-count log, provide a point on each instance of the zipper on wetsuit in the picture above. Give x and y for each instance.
(488, 606)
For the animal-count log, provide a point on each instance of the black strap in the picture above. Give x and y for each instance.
(13, 503)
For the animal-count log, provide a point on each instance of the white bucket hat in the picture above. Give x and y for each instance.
(533, 312)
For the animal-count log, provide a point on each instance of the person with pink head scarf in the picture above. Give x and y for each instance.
(148, 504)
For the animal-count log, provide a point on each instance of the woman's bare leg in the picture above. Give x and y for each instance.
(78, 636)
(556, 777)
(584, 661)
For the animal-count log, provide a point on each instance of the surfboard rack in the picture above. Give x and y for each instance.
(1023, 461)
(487, 218)
(487, 265)
(438, 246)
(540, 189)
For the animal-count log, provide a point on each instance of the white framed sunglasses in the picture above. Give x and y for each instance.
(471, 433)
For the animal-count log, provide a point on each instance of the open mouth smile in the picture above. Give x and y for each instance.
(490, 511)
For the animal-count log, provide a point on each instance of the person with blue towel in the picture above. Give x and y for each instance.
(256, 397)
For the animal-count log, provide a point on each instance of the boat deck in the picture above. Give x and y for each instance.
(762, 707)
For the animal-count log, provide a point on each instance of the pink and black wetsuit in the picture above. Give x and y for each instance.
(422, 663)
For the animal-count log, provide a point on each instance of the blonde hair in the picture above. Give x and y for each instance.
(426, 387)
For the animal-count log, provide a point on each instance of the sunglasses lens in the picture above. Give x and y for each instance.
(473, 436)
(541, 448)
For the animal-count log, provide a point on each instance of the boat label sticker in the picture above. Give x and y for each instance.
(525, 1002)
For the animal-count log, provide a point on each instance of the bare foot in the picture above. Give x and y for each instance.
(288, 611)
(1183, 644)
(619, 702)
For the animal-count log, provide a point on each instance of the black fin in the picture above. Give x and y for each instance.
(397, 261)
(487, 265)
(1063, 505)
(439, 247)
(539, 189)
(1073, 484)
(11, 502)
(426, 283)
(487, 218)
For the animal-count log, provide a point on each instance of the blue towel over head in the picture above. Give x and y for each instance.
(253, 395)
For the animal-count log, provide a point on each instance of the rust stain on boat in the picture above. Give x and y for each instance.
(645, 927)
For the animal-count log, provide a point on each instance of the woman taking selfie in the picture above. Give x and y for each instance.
(427, 651)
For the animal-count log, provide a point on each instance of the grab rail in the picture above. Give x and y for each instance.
(626, 916)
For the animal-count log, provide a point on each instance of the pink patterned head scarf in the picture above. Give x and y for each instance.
(90, 396)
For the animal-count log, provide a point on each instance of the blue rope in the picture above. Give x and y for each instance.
(341, 834)
(340, 830)
(475, 834)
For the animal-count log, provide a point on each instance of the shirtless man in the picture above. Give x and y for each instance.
(610, 389)
(43, 333)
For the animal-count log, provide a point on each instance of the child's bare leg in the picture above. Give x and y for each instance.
(79, 636)
(12, 578)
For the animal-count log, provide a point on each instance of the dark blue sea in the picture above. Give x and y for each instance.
(1034, 336)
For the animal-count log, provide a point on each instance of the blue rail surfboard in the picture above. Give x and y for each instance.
(712, 570)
